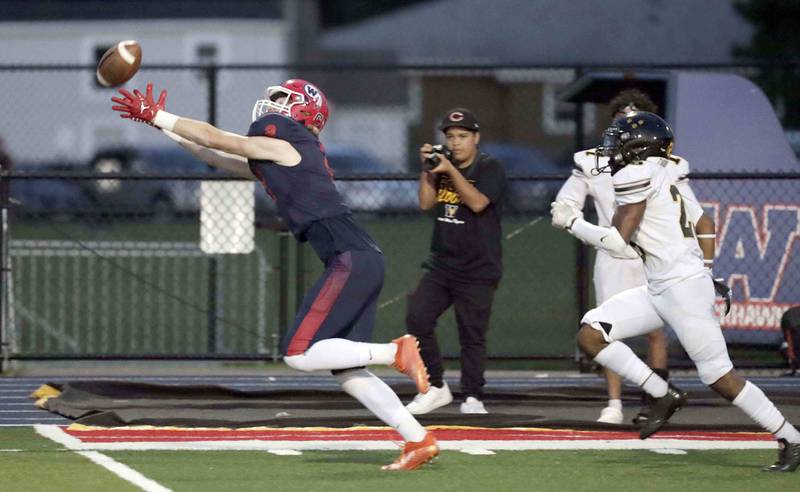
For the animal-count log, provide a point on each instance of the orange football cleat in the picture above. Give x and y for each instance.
(408, 361)
(415, 454)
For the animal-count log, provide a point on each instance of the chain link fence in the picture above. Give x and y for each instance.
(121, 245)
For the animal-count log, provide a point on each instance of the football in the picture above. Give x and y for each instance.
(119, 63)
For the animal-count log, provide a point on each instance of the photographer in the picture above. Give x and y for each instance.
(467, 188)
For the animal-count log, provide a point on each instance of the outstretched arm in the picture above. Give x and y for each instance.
(234, 164)
(142, 107)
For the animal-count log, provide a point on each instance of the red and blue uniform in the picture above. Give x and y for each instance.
(342, 303)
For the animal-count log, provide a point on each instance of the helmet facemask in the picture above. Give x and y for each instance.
(610, 147)
(277, 99)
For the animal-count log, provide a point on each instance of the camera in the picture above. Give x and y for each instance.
(433, 161)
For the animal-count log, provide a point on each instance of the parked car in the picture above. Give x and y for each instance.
(527, 195)
(162, 199)
(167, 199)
(371, 195)
(47, 198)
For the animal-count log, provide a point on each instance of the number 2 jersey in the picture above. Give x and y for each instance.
(586, 181)
(305, 194)
(665, 237)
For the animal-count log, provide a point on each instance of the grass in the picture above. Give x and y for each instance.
(102, 309)
(535, 311)
(43, 465)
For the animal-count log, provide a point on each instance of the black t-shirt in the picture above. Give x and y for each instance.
(466, 245)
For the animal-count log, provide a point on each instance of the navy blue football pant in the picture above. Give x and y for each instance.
(473, 306)
(341, 304)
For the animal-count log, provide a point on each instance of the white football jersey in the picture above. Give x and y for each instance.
(585, 181)
(665, 237)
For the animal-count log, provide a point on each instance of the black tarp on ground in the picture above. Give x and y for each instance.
(123, 403)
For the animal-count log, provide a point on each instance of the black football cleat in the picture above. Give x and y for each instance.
(662, 410)
(788, 458)
(643, 416)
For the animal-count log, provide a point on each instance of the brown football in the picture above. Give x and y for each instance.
(119, 63)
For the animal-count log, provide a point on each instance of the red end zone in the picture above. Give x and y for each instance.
(442, 433)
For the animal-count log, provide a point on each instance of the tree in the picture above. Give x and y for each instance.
(776, 38)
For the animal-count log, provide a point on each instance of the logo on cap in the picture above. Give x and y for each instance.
(456, 116)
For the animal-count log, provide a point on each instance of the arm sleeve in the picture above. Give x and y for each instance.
(632, 184)
(492, 180)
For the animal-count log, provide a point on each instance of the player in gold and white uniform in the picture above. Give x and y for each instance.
(614, 273)
(654, 220)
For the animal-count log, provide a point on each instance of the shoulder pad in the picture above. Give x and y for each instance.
(275, 125)
(584, 161)
(631, 178)
(679, 172)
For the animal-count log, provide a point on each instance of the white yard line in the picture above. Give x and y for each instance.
(124, 472)
(54, 433)
(520, 229)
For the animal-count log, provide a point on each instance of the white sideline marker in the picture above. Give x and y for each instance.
(477, 451)
(668, 451)
(285, 452)
(54, 433)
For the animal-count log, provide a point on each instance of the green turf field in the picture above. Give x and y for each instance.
(535, 311)
(41, 465)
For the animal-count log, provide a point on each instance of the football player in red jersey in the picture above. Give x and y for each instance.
(333, 329)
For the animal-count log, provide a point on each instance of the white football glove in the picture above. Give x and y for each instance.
(563, 214)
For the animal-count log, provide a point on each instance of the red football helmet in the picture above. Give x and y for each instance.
(298, 99)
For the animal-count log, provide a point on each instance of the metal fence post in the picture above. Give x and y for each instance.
(581, 251)
(4, 267)
(213, 263)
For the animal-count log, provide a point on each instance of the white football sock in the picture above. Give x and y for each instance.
(615, 404)
(382, 401)
(758, 407)
(620, 358)
(339, 353)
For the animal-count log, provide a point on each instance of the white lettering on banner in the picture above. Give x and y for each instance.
(751, 315)
(754, 244)
(755, 248)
